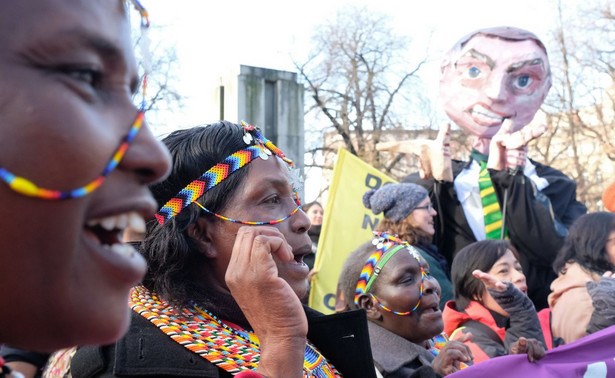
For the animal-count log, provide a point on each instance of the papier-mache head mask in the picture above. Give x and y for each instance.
(493, 74)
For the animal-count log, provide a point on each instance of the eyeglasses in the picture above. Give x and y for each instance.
(426, 207)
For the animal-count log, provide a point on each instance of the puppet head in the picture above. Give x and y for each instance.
(493, 74)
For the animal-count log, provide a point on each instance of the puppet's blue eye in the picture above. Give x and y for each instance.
(523, 81)
(473, 72)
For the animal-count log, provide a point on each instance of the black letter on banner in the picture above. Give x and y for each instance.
(327, 301)
(372, 182)
(367, 221)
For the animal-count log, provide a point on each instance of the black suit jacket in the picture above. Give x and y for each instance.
(537, 221)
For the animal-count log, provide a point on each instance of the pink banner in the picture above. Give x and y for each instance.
(590, 357)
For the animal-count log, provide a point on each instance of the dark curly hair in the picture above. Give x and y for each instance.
(175, 262)
(585, 243)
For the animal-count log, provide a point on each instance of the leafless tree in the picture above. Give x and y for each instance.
(581, 104)
(358, 81)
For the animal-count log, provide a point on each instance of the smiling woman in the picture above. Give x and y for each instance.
(226, 272)
(76, 158)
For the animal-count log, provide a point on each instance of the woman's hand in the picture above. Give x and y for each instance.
(454, 352)
(532, 347)
(267, 301)
(490, 281)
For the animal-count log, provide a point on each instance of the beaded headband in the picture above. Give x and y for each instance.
(28, 188)
(386, 247)
(218, 173)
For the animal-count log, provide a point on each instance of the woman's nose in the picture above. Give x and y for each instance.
(147, 157)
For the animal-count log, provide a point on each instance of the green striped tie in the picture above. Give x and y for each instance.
(491, 206)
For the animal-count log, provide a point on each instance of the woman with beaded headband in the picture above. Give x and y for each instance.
(74, 172)
(390, 280)
(407, 212)
(226, 271)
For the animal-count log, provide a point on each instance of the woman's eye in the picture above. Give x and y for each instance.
(522, 82)
(503, 271)
(90, 76)
(273, 199)
(473, 72)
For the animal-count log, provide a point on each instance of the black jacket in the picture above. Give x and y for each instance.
(146, 351)
(537, 221)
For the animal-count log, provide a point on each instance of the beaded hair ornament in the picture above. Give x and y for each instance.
(386, 247)
(28, 188)
(219, 172)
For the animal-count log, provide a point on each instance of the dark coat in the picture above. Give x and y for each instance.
(537, 221)
(396, 357)
(146, 351)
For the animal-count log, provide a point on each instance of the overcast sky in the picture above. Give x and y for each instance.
(211, 36)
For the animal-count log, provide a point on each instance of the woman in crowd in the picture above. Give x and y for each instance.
(314, 211)
(74, 172)
(391, 281)
(582, 298)
(408, 213)
(491, 302)
(225, 273)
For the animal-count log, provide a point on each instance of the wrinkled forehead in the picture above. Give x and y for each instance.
(497, 41)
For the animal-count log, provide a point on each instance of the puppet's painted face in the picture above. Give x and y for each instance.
(492, 79)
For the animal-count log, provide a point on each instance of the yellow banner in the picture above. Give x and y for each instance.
(347, 224)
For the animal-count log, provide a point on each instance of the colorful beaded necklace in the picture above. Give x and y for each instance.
(229, 347)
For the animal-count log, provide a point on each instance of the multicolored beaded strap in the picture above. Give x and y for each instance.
(232, 349)
(438, 342)
(218, 173)
(264, 141)
(28, 188)
(387, 246)
(251, 223)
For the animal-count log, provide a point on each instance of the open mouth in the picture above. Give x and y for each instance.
(434, 308)
(109, 231)
(485, 116)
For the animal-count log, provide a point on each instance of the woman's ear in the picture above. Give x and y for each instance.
(369, 304)
(201, 231)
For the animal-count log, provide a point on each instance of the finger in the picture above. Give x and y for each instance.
(462, 337)
(458, 352)
(444, 133)
(487, 279)
(407, 146)
(506, 128)
(274, 246)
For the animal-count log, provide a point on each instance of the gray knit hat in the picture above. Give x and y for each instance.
(397, 201)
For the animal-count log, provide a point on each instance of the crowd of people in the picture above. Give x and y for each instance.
(209, 278)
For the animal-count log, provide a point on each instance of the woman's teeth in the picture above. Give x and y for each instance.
(121, 249)
(120, 222)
